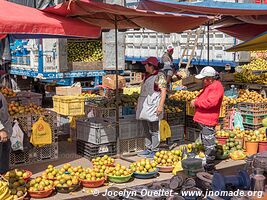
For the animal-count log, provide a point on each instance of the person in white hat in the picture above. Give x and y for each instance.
(207, 110)
(167, 62)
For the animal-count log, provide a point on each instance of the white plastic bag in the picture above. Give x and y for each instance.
(17, 137)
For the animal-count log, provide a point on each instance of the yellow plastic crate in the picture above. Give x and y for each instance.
(69, 105)
(131, 90)
(191, 111)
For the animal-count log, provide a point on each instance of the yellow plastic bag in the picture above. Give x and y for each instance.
(73, 122)
(165, 130)
(41, 133)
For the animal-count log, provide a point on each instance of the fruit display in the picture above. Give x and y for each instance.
(16, 183)
(255, 136)
(118, 170)
(97, 173)
(228, 101)
(8, 192)
(66, 180)
(221, 152)
(40, 184)
(87, 95)
(257, 64)
(247, 76)
(172, 109)
(247, 96)
(104, 160)
(143, 166)
(264, 122)
(15, 108)
(167, 158)
(232, 144)
(7, 92)
(238, 155)
(226, 133)
(84, 51)
(124, 100)
(184, 95)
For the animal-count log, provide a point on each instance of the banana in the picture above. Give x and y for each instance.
(5, 194)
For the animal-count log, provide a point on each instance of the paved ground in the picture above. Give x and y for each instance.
(67, 154)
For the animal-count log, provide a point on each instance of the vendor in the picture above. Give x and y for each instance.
(5, 134)
(207, 110)
(153, 90)
(167, 62)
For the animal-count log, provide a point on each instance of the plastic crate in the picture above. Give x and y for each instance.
(97, 111)
(190, 123)
(130, 128)
(89, 150)
(175, 118)
(132, 145)
(177, 133)
(128, 110)
(47, 152)
(253, 108)
(18, 158)
(69, 105)
(251, 127)
(253, 119)
(192, 134)
(96, 130)
(26, 98)
(191, 111)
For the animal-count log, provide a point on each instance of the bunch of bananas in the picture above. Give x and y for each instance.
(84, 51)
(5, 192)
(247, 76)
(257, 64)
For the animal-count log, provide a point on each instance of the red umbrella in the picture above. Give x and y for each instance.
(18, 19)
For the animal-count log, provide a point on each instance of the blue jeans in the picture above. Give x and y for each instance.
(152, 135)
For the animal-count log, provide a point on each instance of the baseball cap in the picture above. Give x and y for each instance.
(151, 60)
(206, 72)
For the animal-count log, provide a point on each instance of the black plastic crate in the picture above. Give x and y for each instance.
(90, 150)
(175, 118)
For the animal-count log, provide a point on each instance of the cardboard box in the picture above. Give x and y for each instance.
(68, 91)
(109, 81)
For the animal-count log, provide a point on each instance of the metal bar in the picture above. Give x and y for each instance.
(208, 43)
(117, 86)
(40, 57)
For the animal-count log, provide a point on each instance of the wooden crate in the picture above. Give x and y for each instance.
(227, 77)
(82, 66)
(190, 80)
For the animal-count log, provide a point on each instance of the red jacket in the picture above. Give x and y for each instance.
(208, 104)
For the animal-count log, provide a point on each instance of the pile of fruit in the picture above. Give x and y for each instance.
(226, 133)
(66, 180)
(232, 144)
(167, 158)
(172, 109)
(229, 101)
(39, 184)
(255, 136)
(94, 174)
(124, 100)
(143, 166)
(16, 186)
(84, 51)
(118, 170)
(87, 95)
(184, 95)
(247, 76)
(238, 155)
(250, 97)
(15, 108)
(7, 92)
(257, 64)
(104, 160)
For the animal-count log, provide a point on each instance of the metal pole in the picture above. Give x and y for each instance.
(208, 43)
(117, 86)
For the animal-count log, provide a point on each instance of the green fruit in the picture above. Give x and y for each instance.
(232, 140)
(264, 122)
(231, 135)
(231, 144)
(239, 147)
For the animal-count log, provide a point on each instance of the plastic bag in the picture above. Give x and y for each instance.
(165, 130)
(41, 133)
(17, 137)
(238, 121)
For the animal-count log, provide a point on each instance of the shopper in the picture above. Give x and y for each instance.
(151, 104)
(5, 134)
(167, 62)
(207, 106)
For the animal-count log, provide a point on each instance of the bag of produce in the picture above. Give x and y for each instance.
(41, 133)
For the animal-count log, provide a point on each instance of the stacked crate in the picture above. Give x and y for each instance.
(192, 129)
(176, 121)
(253, 114)
(36, 154)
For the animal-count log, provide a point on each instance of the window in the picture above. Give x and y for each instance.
(145, 47)
(218, 48)
(145, 36)
(183, 36)
(130, 36)
(137, 36)
(130, 46)
(219, 56)
(219, 35)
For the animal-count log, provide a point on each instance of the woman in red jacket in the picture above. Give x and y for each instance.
(208, 104)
